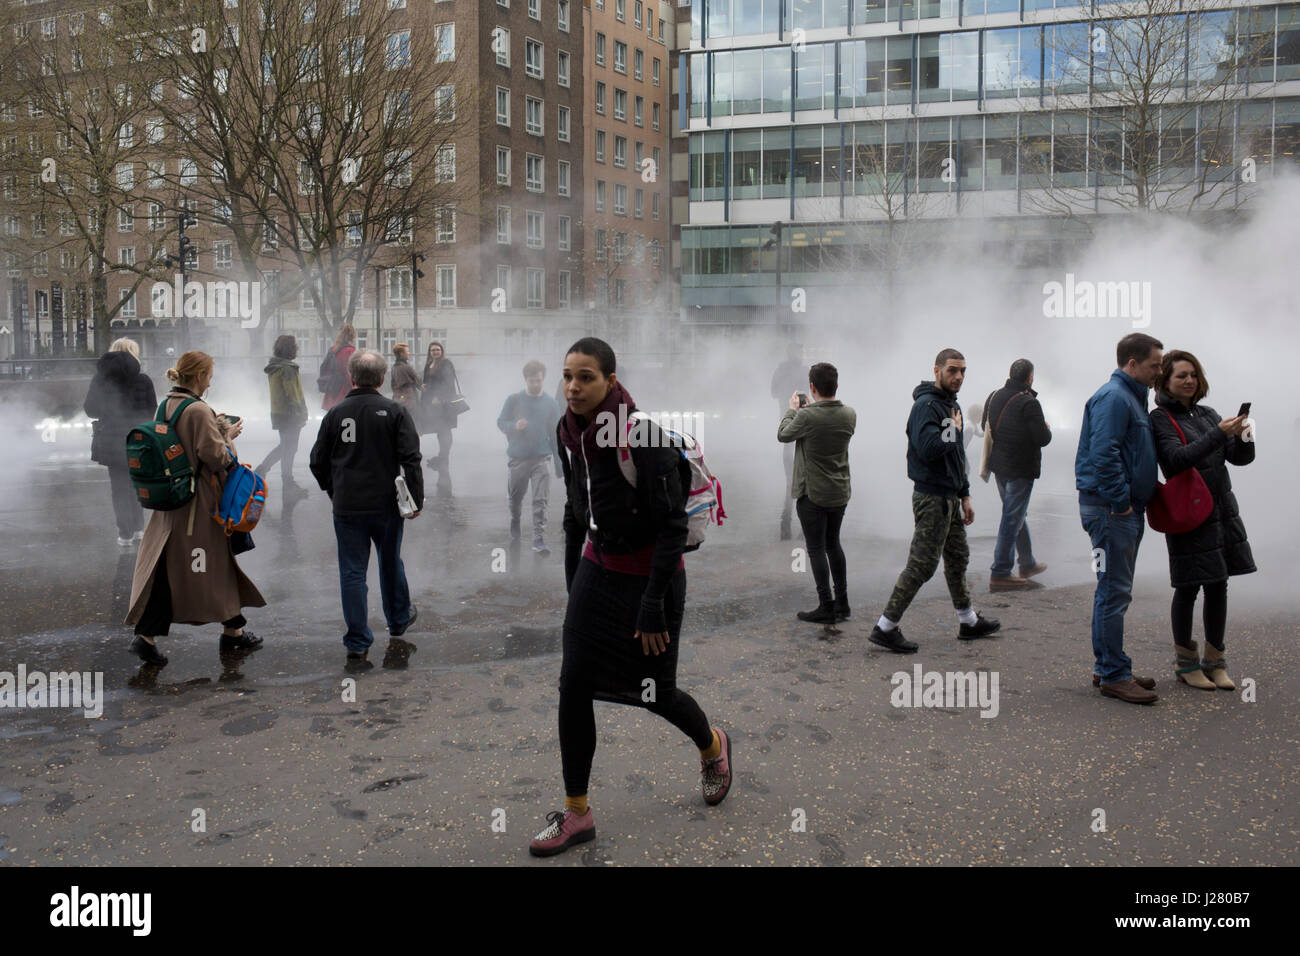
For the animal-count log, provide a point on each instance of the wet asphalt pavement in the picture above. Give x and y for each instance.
(453, 730)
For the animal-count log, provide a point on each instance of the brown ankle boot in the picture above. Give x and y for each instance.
(1215, 667)
(1187, 667)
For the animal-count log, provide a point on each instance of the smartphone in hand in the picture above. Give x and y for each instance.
(1244, 410)
(803, 399)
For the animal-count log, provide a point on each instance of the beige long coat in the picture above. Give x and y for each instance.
(205, 580)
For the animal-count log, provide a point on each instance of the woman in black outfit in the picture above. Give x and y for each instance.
(440, 387)
(1204, 557)
(120, 397)
(627, 589)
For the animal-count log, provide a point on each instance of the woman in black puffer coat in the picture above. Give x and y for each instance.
(120, 397)
(1206, 556)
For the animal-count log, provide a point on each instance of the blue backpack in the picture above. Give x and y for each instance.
(242, 498)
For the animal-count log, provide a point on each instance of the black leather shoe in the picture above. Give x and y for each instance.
(399, 631)
(243, 642)
(892, 640)
(822, 614)
(148, 653)
(841, 609)
(983, 627)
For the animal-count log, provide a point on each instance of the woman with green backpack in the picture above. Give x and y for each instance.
(185, 571)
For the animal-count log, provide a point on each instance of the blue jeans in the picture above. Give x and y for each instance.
(1013, 532)
(354, 534)
(1115, 540)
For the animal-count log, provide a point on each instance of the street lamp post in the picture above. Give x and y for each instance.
(416, 276)
(776, 242)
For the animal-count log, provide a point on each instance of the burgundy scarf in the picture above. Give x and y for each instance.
(577, 433)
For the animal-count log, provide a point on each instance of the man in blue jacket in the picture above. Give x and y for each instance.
(528, 420)
(936, 463)
(1115, 472)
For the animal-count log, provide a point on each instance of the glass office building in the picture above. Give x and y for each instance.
(842, 119)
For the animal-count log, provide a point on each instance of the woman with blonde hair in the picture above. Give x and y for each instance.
(334, 379)
(185, 572)
(120, 397)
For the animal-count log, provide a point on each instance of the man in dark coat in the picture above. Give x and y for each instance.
(941, 507)
(120, 397)
(1189, 434)
(1019, 435)
(365, 442)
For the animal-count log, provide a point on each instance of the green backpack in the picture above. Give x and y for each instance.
(160, 469)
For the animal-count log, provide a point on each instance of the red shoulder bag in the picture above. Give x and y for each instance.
(1183, 502)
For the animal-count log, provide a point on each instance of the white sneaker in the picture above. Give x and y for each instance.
(138, 536)
(125, 542)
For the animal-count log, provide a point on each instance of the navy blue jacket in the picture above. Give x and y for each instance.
(1116, 461)
(936, 454)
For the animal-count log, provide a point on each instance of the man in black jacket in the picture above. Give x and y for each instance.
(941, 507)
(364, 442)
(1019, 435)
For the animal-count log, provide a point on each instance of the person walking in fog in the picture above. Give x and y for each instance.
(364, 443)
(941, 507)
(406, 382)
(627, 589)
(441, 387)
(1191, 435)
(288, 413)
(120, 397)
(186, 572)
(1115, 473)
(334, 381)
(820, 433)
(789, 376)
(1019, 435)
(528, 420)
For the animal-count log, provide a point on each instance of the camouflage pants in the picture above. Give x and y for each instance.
(939, 533)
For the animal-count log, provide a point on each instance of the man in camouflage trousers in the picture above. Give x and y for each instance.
(941, 506)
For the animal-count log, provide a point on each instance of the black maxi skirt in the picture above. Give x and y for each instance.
(601, 653)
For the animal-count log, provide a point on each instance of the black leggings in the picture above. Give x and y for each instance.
(1214, 613)
(578, 730)
(156, 620)
(821, 533)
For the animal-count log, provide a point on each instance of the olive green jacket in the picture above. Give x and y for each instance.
(821, 433)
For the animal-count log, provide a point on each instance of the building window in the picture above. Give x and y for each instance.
(533, 115)
(600, 98)
(536, 288)
(636, 13)
(600, 145)
(638, 111)
(536, 237)
(445, 104)
(600, 200)
(67, 224)
(654, 205)
(562, 69)
(638, 64)
(563, 15)
(638, 204)
(620, 292)
(398, 163)
(661, 31)
(563, 291)
(503, 106)
(620, 10)
(501, 43)
(658, 154)
(654, 114)
(562, 179)
(503, 283)
(620, 105)
(271, 233)
(533, 58)
(399, 229)
(503, 225)
(565, 233)
(223, 254)
(125, 220)
(534, 176)
(620, 57)
(354, 229)
(445, 217)
(444, 164)
(444, 35)
(535, 9)
(620, 199)
(399, 50)
(127, 311)
(600, 49)
(620, 152)
(503, 166)
(399, 288)
(446, 280)
(562, 127)
(640, 154)
(654, 71)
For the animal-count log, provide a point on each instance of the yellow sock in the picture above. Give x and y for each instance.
(577, 804)
(714, 749)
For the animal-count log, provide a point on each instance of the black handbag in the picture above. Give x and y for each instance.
(459, 405)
